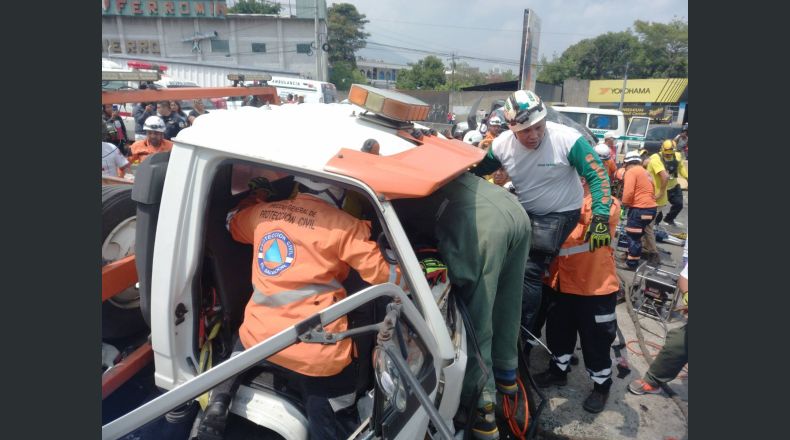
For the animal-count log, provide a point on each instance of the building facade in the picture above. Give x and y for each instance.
(202, 34)
(379, 73)
(664, 100)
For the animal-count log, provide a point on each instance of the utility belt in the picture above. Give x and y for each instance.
(549, 232)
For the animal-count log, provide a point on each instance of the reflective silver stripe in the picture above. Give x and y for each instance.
(564, 252)
(575, 250)
(289, 296)
(600, 377)
(562, 361)
(393, 274)
(229, 217)
(339, 402)
(605, 318)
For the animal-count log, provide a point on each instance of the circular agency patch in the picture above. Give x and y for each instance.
(275, 253)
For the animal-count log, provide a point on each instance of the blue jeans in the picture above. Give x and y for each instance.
(548, 233)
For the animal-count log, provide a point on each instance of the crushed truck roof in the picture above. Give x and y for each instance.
(329, 138)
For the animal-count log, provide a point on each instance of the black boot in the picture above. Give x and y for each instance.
(596, 401)
(552, 376)
(212, 427)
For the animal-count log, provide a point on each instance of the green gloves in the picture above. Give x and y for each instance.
(598, 232)
(435, 271)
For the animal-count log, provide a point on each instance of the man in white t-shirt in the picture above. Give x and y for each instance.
(112, 161)
(544, 161)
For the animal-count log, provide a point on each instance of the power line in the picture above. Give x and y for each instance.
(447, 54)
(477, 28)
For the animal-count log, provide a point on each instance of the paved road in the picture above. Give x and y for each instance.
(626, 416)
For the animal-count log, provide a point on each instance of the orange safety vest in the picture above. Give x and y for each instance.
(611, 168)
(302, 251)
(577, 270)
(141, 149)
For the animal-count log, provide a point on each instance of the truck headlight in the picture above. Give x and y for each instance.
(389, 380)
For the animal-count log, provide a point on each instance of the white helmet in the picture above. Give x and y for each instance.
(495, 120)
(473, 137)
(610, 135)
(632, 157)
(325, 191)
(603, 151)
(524, 109)
(154, 123)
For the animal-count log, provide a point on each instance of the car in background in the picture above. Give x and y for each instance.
(657, 134)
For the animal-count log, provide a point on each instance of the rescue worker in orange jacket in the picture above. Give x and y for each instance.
(582, 287)
(606, 157)
(638, 196)
(303, 249)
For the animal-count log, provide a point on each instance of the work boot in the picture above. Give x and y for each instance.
(674, 223)
(639, 387)
(596, 401)
(624, 266)
(485, 426)
(552, 376)
(212, 427)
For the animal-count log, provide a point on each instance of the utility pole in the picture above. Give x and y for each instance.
(625, 81)
(452, 66)
(317, 47)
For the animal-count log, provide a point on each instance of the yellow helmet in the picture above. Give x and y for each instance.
(668, 146)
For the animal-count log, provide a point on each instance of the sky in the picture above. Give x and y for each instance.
(492, 28)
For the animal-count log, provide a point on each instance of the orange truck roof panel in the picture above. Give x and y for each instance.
(414, 173)
(181, 93)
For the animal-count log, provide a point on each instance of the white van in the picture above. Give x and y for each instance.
(601, 120)
(313, 91)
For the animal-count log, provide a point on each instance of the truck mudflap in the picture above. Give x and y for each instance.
(147, 192)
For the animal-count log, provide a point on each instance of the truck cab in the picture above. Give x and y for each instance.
(195, 280)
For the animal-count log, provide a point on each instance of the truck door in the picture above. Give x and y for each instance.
(635, 134)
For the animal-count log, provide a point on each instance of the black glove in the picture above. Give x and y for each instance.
(598, 232)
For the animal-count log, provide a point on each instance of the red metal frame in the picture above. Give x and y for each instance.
(117, 277)
(124, 370)
(265, 93)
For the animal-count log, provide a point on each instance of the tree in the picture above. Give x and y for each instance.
(654, 50)
(343, 74)
(346, 33)
(602, 57)
(254, 7)
(507, 75)
(426, 74)
(465, 76)
(666, 48)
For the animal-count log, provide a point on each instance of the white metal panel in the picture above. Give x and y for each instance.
(295, 135)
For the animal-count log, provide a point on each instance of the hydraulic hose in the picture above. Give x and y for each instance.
(479, 357)
(642, 346)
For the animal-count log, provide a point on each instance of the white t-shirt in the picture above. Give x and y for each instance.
(545, 180)
(111, 160)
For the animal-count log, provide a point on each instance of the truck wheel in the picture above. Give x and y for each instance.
(121, 316)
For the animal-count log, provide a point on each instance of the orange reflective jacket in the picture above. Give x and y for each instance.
(142, 149)
(577, 270)
(302, 251)
(611, 168)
